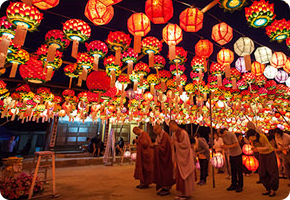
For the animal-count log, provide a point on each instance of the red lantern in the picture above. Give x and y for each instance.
(258, 68)
(159, 11)
(172, 35)
(247, 149)
(278, 59)
(45, 4)
(151, 46)
(98, 82)
(164, 75)
(251, 163)
(138, 25)
(109, 2)
(226, 57)
(129, 57)
(98, 13)
(191, 20)
(222, 33)
(204, 48)
(148, 96)
(97, 49)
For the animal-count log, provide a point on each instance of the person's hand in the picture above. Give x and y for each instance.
(254, 149)
(224, 146)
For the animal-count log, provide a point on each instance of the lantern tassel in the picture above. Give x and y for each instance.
(49, 73)
(152, 89)
(130, 67)
(191, 98)
(113, 78)
(219, 79)
(172, 53)
(80, 81)
(141, 79)
(137, 44)
(151, 58)
(177, 79)
(75, 49)
(135, 85)
(51, 53)
(70, 82)
(162, 85)
(20, 35)
(118, 56)
(180, 90)
(27, 2)
(234, 82)
(248, 62)
(84, 73)
(96, 63)
(228, 71)
(99, 97)
(160, 96)
(13, 70)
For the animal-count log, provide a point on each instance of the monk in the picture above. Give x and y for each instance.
(163, 161)
(144, 168)
(183, 157)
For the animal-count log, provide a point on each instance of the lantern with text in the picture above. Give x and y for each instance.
(151, 46)
(164, 75)
(279, 30)
(258, 68)
(130, 58)
(281, 76)
(70, 71)
(226, 57)
(244, 46)
(98, 50)
(98, 82)
(98, 13)
(222, 33)
(278, 60)
(18, 58)
(218, 70)
(159, 11)
(25, 18)
(191, 20)
(77, 31)
(152, 80)
(84, 66)
(172, 35)
(204, 49)
(112, 68)
(260, 14)
(138, 25)
(251, 163)
(270, 72)
(263, 55)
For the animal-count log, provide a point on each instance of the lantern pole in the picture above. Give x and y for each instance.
(211, 141)
(281, 115)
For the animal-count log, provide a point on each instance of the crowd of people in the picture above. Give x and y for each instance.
(172, 159)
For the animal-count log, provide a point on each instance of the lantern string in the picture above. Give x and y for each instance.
(133, 11)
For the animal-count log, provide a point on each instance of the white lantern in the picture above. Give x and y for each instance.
(119, 85)
(288, 82)
(127, 154)
(241, 65)
(134, 156)
(217, 161)
(270, 72)
(281, 76)
(263, 55)
(184, 97)
(244, 46)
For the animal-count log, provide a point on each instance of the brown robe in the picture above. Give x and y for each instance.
(183, 156)
(163, 162)
(144, 168)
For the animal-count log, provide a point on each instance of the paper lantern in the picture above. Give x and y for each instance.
(56, 38)
(270, 85)
(232, 5)
(179, 69)
(127, 154)
(249, 77)
(130, 58)
(118, 41)
(110, 2)
(159, 11)
(172, 35)
(180, 56)
(222, 33)
(244, 46)
(263, 55)
(247, 149)
(258, 68)
(98, 50)
(288, 82)
(141, 69)
(45, 4)
(25, 18)
(84, 66)
(286, 67)
(164, 75)
(32, 71)
(70, 71)
(241, 65)
(18, 58)
(217, 161)
(218, 70)
(204, 48)
(278, 59)
(159, 62)
(148, 96)
(281, 76)
(152, 80)
(138, 25)
(279, 30)
(151, 46)
(124, 80)
(251, 163)
(6, 28)
(112, 68)
(77, 31)
(191, 20)
(134, 156)
(270, 72)
(98, 13)
(262, 92)
(242, 85)
(260, 14)
(260, 80)
(225, 57)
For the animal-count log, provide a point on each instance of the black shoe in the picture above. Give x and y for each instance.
(220, 172)
(272, 195)
(239, 189)
(138, 186)
(231, 188)
(143, 187)
(259, 182)
(266, 193)
(164, 193)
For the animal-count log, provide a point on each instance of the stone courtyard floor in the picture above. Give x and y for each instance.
(117, 183)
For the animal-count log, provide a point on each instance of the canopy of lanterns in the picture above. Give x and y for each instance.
(230, 91)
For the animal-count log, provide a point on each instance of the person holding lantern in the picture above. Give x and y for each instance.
(184, 160)
(144, 168)
(283, 144)
(163, 161)
(231, 143)
(268, 171)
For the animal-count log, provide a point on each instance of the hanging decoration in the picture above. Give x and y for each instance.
(112, 69)
(98, 82)
(98, 13)
(6, 28)
(270, 72)
(159, 11)
(204, 49)
(232, 5)
(191, 20)
(222, 33)
(130, 58)
(258, 68)
(279, 30)
(244, 46)
(159, 62)
(263, 55)
(226, 57)
(164, 76)
(278, 59)
(110, 2)
(260, 14)
(20, 57)
(98, 50)
(71, 72)
(151, 46)
(118, 41)
(138, 25)
(218, 70)
(152, 80)
(84, 66)
(45, 4)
